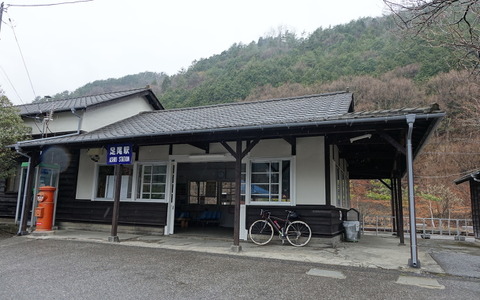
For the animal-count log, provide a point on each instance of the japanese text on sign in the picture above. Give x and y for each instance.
(119, 154)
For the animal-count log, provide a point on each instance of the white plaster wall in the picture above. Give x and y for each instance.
(184, 149)
(31, 123)
(215, 148)
(218, 148)
(61, 122)
(86, 175)
(102, 115)
(310, 174)
(153, 153)
(94, 117)
(271, 148)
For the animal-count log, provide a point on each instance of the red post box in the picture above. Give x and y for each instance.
(44, 210)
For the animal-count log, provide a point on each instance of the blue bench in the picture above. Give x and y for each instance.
(209, 217)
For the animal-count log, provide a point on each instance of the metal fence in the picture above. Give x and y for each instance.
(434, 226)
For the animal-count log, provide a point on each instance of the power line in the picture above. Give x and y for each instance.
(23, 59)
(47, 4)
(24, 105)
(11, 84)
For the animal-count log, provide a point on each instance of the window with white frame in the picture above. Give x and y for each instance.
(151, 181)
(106, 182)
(270, 181)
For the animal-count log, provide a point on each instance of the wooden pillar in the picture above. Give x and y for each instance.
(238, 154)
(400, 228)
(116, 204)
(238, 185)
(393, 203)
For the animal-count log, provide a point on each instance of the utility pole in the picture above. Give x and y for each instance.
(1, 13)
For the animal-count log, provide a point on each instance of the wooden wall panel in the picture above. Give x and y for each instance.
(325, 221)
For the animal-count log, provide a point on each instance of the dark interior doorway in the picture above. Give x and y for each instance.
(205, 198)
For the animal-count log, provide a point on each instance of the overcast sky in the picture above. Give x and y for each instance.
(67, 46)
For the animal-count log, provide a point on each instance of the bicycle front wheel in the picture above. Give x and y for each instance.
(298, 233)
(261, 232)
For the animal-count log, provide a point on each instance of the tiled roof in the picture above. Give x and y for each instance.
(234, 115)
(79, 102)
(286, 112)
(391, 112)
(223, 116)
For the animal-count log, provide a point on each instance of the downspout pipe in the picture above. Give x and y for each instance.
(22, 228)
(413, 261)
(80, 119)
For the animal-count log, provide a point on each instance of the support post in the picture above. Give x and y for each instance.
(238, 183)
(239, 155)
(116, 204)
(413, 261)
(393, 204)
(1, 13)
(400, 225)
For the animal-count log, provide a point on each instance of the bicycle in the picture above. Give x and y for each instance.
(297, 233)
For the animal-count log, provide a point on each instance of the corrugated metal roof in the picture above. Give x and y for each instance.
(78, 102)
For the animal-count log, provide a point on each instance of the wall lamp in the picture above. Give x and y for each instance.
(360, 137)
(207, 156)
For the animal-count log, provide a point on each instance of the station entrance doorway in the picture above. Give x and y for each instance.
(205, 198)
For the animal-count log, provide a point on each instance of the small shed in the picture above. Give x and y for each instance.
(474, 179)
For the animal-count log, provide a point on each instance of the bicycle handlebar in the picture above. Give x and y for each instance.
(266, 213)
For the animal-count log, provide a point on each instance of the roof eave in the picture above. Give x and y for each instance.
(469, 177)
(345, 122)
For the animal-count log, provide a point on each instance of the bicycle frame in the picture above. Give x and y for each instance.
(266, 215)
(297, 232)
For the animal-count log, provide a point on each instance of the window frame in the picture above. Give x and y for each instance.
(96, 182)
(248, 194)
(137, 189)
(136, 173)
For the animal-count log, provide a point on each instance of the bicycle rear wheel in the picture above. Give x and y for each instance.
(298, 233)
(261, 232)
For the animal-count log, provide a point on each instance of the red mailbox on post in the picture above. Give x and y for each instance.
(44, 210)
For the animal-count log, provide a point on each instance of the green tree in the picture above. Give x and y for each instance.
(12, 129)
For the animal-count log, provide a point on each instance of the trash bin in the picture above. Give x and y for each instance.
(352, 230)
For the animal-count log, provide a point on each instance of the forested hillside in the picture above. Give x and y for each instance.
(369, 56)
(368, 46)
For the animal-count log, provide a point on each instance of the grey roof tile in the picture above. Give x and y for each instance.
(76, 103)
(276, 113)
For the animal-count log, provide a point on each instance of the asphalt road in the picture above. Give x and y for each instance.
(52, 269)
(456, 258)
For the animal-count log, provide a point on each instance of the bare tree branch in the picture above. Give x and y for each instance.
(443, 23)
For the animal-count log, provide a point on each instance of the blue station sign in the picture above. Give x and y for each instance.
(119, 154)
